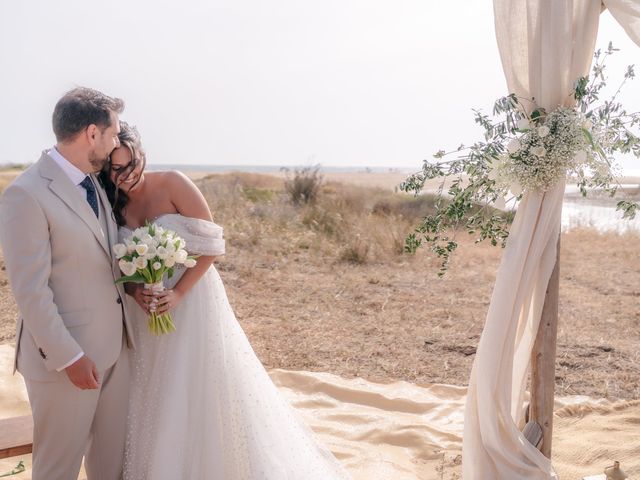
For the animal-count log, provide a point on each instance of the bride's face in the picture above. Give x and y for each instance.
(124, 174)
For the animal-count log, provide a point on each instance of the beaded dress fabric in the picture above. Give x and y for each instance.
(202, 405)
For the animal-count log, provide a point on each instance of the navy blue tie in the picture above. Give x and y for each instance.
(87, 184)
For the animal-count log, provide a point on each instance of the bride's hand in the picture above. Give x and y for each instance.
(167, 300)
(142, 297)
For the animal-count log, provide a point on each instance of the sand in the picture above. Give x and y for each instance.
(402, 431)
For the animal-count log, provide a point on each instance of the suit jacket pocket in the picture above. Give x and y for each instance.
(76, 318)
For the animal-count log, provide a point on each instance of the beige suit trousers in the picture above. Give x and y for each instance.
(71, 423)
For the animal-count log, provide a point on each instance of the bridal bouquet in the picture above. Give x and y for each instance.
(145, 257)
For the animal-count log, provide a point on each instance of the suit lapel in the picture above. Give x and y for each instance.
(64, 188)
(105, 206)
(112, 231)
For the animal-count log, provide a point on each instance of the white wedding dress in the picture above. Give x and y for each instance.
(202, 405)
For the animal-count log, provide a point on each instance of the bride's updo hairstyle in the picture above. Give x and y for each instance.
(129, 138)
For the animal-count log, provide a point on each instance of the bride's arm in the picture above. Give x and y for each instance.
(189, 202)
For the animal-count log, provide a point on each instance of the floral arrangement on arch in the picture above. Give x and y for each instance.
(526, 148)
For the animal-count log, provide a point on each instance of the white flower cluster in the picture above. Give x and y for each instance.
(546, 150)
(151, 251)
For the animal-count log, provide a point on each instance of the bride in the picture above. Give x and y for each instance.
(201, 405)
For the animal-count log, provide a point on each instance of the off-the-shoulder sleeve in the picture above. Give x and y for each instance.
(201, 237)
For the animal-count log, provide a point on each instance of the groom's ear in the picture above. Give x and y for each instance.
(91, 132)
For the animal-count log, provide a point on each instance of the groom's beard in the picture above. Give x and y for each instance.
(97, 161)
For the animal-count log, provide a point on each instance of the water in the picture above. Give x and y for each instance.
(597, 213)
(603, 218)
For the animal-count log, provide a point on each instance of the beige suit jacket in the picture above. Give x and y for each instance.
(62, 273)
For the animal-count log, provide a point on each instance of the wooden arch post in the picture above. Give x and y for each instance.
(543, 361)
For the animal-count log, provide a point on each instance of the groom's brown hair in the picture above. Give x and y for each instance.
(81, 107)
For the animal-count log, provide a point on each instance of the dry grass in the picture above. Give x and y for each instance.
(325, 287)
(7, 176)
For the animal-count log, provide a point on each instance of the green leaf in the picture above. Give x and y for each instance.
(589, 137)
(628, 209)
(17, 469)
(135, 278)
(580, 88)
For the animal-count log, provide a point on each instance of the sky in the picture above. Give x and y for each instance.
(378, 83)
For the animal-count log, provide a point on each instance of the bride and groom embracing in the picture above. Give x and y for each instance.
(189, 405)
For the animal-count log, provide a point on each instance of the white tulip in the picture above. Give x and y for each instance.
(169, 262)
(190, 262)
(147, 239)
(140, 262)
(539, 151)
(131, 246)
(514, 146)
(157, 266)
(142, 248)
(162, 253)
(171, 248)
(120, 250)
(127, 268)
(543, 131)
(523, 124)
(587, 124)
(180, 256)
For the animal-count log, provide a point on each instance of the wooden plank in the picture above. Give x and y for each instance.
(543, 361)
(16, 436)
(533, 433)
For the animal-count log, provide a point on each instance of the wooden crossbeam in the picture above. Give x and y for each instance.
(16, 436)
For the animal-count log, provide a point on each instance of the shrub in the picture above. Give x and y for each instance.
(322, 220)
(305, 185)
(356, 251)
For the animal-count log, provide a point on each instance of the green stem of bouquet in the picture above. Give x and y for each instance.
(161, 323)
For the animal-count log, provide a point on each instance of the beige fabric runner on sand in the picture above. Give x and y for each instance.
(401, 431)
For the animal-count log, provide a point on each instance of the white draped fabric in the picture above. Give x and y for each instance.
(627, 14)
(545, 45)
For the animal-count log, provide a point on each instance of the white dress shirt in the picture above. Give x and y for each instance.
(76, 176)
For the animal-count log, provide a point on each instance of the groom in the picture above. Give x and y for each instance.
(56, 231)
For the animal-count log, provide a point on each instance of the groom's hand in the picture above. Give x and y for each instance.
(83, 374)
